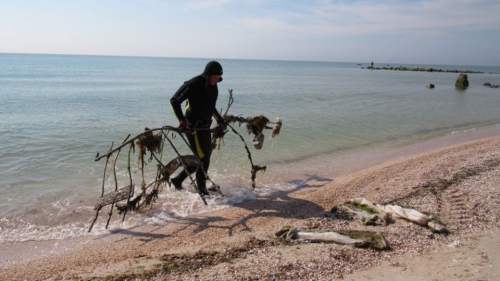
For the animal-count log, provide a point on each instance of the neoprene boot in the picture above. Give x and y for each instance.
(177, 182)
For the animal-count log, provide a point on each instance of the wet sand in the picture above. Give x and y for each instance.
(457, 177)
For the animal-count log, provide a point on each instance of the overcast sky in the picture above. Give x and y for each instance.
(456, 32)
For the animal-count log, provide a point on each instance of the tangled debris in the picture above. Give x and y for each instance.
(153, 141)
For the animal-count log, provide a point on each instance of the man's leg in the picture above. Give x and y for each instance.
(204, 144)
(177, 180)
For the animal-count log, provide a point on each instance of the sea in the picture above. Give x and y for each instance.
(57, 112)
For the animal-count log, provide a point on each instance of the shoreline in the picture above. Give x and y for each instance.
(388, 174)
(340, 164)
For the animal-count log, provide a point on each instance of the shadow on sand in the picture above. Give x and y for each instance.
(279, 204)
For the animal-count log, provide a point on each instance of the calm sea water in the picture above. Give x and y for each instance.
(57, 112)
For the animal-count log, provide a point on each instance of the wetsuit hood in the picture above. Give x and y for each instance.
(213, 68)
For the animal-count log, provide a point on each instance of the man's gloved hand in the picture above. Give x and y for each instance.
(222, 121)
(184, 127)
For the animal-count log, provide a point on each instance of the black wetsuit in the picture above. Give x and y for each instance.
(200, 108)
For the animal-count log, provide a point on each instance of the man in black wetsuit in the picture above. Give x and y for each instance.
(201, 94)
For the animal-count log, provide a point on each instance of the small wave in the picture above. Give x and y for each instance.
(174, 205)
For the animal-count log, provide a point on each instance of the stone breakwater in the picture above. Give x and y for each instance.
(423, 69)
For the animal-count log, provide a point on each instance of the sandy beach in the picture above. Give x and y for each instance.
(456, 177)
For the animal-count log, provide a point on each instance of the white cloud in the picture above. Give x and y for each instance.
(332, 18)
(206, 4)
(254, 29)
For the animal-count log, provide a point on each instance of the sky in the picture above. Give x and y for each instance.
(450, 32)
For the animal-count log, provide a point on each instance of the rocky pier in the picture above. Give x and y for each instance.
(422, 69)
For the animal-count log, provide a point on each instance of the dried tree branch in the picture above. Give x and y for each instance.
(154, 143)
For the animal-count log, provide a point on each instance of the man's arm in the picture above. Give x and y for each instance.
(177, 99)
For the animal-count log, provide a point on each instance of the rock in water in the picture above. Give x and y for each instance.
(462, 81)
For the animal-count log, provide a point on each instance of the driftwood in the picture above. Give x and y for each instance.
(115, 196)
(176, 163)
(365, 217)
(370, 214)
(361, 239)
(430, 221)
